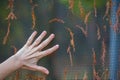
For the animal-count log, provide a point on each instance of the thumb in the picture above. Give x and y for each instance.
(40, 68)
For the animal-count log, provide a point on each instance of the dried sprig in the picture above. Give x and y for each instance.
(85, 77)
(33, 77)
(94, 57)
(103, 52)
(11, 16)
(105, 75)
(82, 10)
(14, 48)
(86, 18)
(7, 34)
(65, 73)
(95, 8)
(95, 74)
(84, 31)
(56, 20)
(70, 55)
(10, 4)
(17, 75)
(98, 33)
(108, 7)
(72, 42)
(71, 4)
(33, 13)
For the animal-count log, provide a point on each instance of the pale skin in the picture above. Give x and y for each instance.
(28, 56)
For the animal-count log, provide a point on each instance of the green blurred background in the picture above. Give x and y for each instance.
(58, 63)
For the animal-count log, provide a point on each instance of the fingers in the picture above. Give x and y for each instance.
(39, 55)
(44, 53)
(48, 51)
(45, 42)
(39, 39)
(30, 39)
(39, 68)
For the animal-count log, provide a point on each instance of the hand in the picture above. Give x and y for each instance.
(28, 56)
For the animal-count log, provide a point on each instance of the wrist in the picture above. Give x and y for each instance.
(17, 62)
(8, 66)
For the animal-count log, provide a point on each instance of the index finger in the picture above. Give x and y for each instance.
(48, 51)
(30, 39)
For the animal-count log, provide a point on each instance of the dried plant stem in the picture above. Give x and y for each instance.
(103, 53)
(56, 20)
(72, 42)
(95, 8)
(108, 7)
(17, 75)
(7, 34)
(33, 14)
(11, 16)
(98, 33)
(65, 73)
(86, 18)
(85, 77)
(71, 5)
(82, 11)
(70, 55)
(84, 31)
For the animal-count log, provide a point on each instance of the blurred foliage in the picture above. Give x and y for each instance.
(86, 4)
(58, 10)
(3, 9)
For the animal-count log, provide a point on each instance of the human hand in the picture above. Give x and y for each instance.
(28, 56)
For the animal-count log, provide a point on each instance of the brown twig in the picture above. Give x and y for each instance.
(94, 56)
(11, 16)
(84, 31)
(7, 34)
(56, 20)
(82, 11)
(70, 55)
(85, 77)
(103, 52)
(33, 14)
(71, 5)
(95, 8)
(72, 42)
(108, 7)
(86, 18)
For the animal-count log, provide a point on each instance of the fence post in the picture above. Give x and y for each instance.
(114, 42)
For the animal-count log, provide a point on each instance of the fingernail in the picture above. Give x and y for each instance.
(57, 45)
(53, 35)
(47, 72)
(35, 31)
(44, 31)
